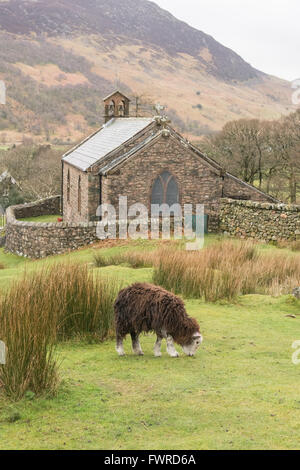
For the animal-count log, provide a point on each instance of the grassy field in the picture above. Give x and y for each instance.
(42, 218)
(241, 390)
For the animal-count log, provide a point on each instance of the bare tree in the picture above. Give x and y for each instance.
(36, 169)
(263, 153)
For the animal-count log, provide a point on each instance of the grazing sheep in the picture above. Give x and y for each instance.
(143, 308)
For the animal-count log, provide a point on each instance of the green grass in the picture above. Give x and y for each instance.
(15, 266)
(42, 218)
(241, 390)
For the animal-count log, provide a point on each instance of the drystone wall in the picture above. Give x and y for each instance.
(261, 221)
(246, 219)
(49, 206)
(38, 240)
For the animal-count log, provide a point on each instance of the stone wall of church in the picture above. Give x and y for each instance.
(70, 205)
(198, 183)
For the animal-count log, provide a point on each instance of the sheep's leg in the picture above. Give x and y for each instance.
(170, 347)
(119, 346)
(136, 344)
(157, 346)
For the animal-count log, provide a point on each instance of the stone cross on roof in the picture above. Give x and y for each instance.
(158, 108)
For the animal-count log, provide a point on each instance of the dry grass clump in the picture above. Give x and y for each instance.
(57, 303)
(134, 259)
(293, 246)
(84, 301)
(226, 270)
(28, 329)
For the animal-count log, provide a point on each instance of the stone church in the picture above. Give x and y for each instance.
(146, 160)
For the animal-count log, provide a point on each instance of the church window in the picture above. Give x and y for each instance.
(165, 190)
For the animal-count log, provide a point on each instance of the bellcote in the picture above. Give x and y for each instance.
(116, 105)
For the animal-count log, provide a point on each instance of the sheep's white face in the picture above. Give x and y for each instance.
(191, 348)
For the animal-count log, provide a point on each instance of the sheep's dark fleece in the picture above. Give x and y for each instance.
(144, 307)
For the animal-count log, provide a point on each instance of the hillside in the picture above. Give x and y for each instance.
(59, 59)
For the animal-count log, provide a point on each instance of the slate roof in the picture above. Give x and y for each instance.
(114, 93)
(111, 136)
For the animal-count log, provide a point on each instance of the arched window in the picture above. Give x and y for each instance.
(112, 108)
(68, 186)
(122, 108)
(165, 190)
(79, 194)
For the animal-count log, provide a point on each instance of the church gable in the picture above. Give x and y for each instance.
(146, 141)
(161, 162)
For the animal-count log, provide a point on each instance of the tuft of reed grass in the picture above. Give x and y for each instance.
(292, 245)
(28, 329)
(134, 259)
(225, 271)
(83, 301)
(57, 303)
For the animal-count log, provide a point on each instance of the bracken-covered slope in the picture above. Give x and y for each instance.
(59, 58)
(135, 19)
